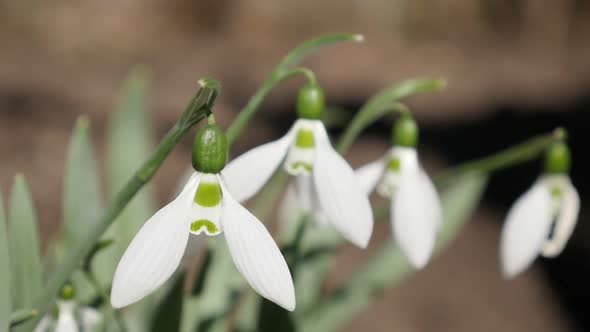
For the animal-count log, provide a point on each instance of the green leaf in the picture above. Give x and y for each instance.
(26, 268)
(82, 200)
(381, 103)
(389, 267)
(21, 316)
(308, 47)
(128, 145)
(5, 296)
(168, 312)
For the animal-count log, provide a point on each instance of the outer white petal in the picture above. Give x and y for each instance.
(416, 216)
(246, 174)
(342, 199)
(45, 324)
(66, 321)
(369, 174)
(565, 223)
(155, 252)
(526, 229)
(255, 254)
(90, 318)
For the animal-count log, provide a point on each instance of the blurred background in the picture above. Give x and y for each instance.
(514, 68)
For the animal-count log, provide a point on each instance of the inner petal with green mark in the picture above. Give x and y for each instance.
(207, 206)
(390, 179)
(301, 154)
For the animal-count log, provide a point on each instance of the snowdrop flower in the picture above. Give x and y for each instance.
(415, 213)
(326, 185)
(68, 317)
(205, 205)
(542, 220)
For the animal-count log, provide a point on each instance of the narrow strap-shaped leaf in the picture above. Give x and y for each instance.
(81, 199)
(128, 144)
(5, 296)
(26, 268)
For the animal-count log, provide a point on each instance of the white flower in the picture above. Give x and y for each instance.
(325, 183)
(70, 318)
(540, 222)
(415, 205)
(204, 205)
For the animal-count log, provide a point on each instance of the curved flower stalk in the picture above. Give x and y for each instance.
(68, 317)
(205, 205)
(543, 219)
(415, 211)
(325, 183)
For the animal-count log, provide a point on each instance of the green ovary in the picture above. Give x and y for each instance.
(208, 194)
(210, 226)
(394, 164)
(305, 139)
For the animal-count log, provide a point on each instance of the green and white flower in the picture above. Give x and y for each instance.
(69, 317)
(205, 205)
(415, 212)
(543, 219)
(325, 182)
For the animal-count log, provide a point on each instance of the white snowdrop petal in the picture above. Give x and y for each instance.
(342, 199)
(156, 250)
(66, 320)
(527, 226)
(89, 318)
(256, 255)
(416, 216)
(565, 223)
(369, 174)
(245, 175)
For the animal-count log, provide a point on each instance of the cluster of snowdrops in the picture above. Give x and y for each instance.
(326, 189)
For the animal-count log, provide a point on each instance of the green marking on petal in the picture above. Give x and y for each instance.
(394, 164)
(208, 194)
(556, 192)
(210, 226)
(305, 139)
(299, 164)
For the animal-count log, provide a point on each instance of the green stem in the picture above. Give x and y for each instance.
(21, 316)
(382, 103)
(283, 71)
(106, 299)
(198, 108)
(517, 154)
(253, 105)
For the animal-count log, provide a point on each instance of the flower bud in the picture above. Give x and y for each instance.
(310, 102)
(210, 149)
(558, 158)
(405, 132)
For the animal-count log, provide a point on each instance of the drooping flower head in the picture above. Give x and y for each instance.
(205, 205)
(543, 219)
(415, 213)
(325, 183)
(68, 316)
